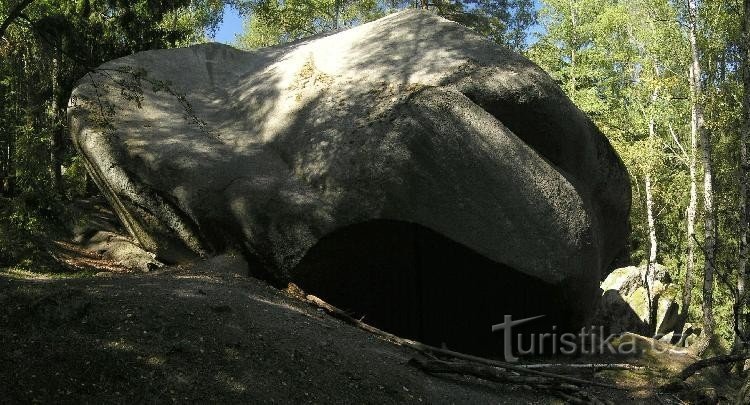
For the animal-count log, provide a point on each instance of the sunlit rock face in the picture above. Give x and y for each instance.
(312, 158)
(630, 305)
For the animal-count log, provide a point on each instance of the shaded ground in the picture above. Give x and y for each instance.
(185, 336)
(100, 333)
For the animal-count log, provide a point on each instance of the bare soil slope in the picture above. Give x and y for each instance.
(184, 335)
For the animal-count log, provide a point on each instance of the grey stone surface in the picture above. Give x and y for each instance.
(410, 118)
(625, 306)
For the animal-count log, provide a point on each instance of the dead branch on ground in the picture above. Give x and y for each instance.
(561, 385)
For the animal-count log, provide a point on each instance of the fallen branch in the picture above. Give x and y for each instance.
(567, 392)
(427, 349)
(596, 366)
(339, 314)
(484, 372)
(508, 366)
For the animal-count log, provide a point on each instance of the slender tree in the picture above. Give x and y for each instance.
(653, 241)
(709, 221)
(690, 217)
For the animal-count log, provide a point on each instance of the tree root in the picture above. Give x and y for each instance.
(678, 383)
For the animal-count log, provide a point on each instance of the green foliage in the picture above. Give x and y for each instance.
(44, 51)
(21, 234)
(502, 21)
(620, 63)
(272, 22)
(625, 63)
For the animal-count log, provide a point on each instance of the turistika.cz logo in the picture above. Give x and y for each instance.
(591, 341)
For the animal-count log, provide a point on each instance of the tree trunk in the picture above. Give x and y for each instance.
(8, 186)
(692, 210)
(573, 45)
(649, 276)
(336, 11)
(56, 117)
(653, 242)
(4, 160)
(743, 277)
(708, 193)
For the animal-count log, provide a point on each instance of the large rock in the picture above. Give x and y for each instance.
(629, 304)
(406, 158)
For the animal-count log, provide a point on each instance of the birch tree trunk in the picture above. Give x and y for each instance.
(573, 44)
(650, 267)
(57, 119)
(692, 209)
(698, 127)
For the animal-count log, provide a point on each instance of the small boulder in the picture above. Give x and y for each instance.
(628, 304)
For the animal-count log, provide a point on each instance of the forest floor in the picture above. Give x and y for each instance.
(178, 335)
(208, 333)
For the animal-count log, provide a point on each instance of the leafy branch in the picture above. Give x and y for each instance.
(131, 89)
(14, 14)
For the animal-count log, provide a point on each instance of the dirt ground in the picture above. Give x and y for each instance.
(210, 334)
(186, 336)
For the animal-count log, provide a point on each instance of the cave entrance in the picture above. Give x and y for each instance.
(413, 282)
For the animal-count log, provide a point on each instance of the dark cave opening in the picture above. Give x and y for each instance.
(411, 281)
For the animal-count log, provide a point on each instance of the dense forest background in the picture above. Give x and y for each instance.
(662, 79)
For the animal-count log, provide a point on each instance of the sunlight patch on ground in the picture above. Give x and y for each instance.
(22, 274)
(279, 305)
(120, 345)
(231, 353)
(231, 383)
(196, 277)
(156, 360)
